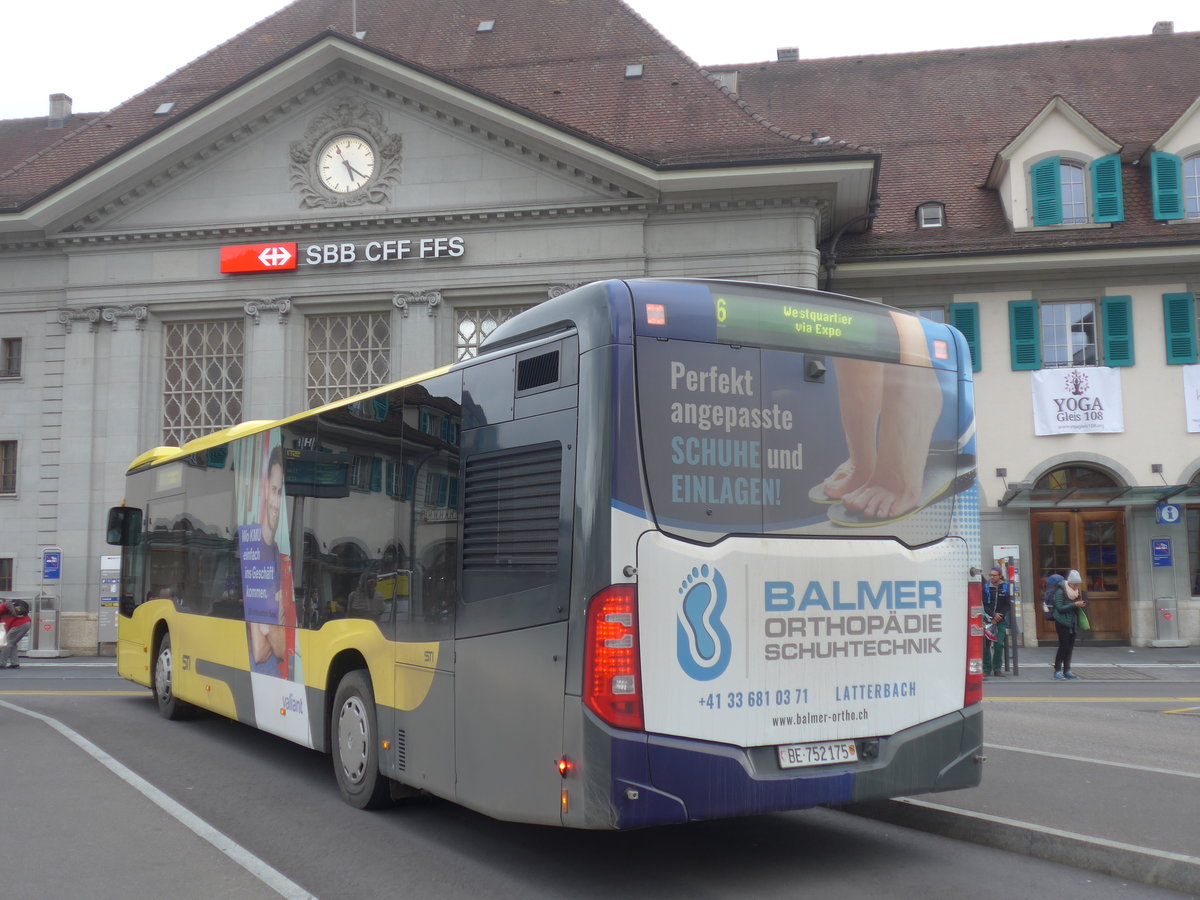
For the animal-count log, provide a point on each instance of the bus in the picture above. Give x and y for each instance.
(666, 550)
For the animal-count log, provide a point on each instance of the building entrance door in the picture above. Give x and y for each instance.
(1093, 542)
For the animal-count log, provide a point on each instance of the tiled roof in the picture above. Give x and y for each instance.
(21, 139)
(561, 62)
(940, 118)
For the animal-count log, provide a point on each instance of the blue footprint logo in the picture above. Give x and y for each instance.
(702, 642)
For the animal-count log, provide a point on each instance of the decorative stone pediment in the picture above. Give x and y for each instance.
(352, 116)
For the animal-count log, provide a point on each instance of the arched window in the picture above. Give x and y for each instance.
(1074, 478)
(1074, 192)
(1191, 187)
(1076, 484)
(1074, 198)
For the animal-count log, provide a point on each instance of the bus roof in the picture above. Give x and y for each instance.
(161, 455)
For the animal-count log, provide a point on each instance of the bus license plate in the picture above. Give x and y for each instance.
(792, 756)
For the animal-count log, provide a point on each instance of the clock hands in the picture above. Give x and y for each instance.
(349, 167)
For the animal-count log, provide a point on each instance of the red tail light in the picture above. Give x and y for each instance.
(974, 685)
(612, 675)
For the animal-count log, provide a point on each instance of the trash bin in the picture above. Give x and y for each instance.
(1166, 627)
(45, 627)
(1166, 624)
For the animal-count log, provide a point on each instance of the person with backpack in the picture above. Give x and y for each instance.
(1066, 601)
(15, 619)
(997, 601)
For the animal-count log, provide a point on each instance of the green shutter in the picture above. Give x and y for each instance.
(1107, 202)
(965, 317)
(376, 473)
(1023, 335)
(1046, 188)
(1166, 184)
(1179, 324)
(1116, 315)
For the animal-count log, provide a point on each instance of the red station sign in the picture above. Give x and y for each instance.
(241, 258)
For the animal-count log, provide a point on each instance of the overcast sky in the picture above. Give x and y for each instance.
(102, 52)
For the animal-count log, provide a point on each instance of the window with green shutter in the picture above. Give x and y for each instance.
(1166, 185)
(1046, 190)
(1116, 315)
(965, 317)
(1179, 325)
(1107, 200)
(1023, 334)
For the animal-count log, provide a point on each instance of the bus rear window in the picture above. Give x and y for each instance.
(752, 440)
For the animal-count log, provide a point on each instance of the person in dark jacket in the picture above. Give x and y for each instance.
(1068, 600)
(997, 601)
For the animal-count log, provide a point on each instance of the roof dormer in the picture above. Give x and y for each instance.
(1175, 169)
(1060, 171)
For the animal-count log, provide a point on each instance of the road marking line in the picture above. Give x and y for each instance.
(1098, 762)
(1091, 699)
(259, 868)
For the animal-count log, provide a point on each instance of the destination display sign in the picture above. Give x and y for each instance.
(804, 323)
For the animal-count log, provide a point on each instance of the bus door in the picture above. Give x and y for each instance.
(519, 458)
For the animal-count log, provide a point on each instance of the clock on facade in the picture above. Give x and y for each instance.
(345, 163)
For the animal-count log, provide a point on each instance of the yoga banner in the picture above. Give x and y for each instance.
(1077, 401)
(1191, 396)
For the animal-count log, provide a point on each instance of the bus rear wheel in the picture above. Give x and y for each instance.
(164, 670)
(354, 735)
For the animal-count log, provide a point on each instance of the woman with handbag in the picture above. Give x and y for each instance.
(1068, 604)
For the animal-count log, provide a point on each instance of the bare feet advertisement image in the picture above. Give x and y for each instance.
(871, 438)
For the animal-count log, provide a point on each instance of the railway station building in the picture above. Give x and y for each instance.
(322, 205)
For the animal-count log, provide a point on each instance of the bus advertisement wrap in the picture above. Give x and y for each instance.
(267, 594)
(749, 644)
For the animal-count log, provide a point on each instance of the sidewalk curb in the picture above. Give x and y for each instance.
(1154, 867)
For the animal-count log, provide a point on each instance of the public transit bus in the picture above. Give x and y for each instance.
(666, 550)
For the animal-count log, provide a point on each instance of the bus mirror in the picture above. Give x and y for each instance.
(124, 526)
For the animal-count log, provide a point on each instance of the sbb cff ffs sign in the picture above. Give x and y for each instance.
(242, 258)
(286, 256)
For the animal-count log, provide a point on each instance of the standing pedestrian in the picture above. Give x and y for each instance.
(16, 625)
(1068, 600)
(997, 601)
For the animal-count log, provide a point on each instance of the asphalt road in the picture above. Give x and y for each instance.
(103, 798)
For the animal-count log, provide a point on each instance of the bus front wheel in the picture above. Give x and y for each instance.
(354, 731)
(164, 669)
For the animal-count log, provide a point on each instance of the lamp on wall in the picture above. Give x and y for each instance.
(1002, 474)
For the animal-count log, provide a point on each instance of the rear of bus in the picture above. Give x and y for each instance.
(794, 525)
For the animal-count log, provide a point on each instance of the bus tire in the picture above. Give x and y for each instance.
(169, 705)
(354, 737)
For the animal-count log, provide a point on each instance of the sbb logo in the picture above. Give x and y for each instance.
(243, 258)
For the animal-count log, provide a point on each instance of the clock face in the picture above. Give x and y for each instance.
(345, 163)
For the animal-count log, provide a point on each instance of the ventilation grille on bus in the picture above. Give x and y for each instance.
(537, 371)
(401, 750)
(510, 508)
